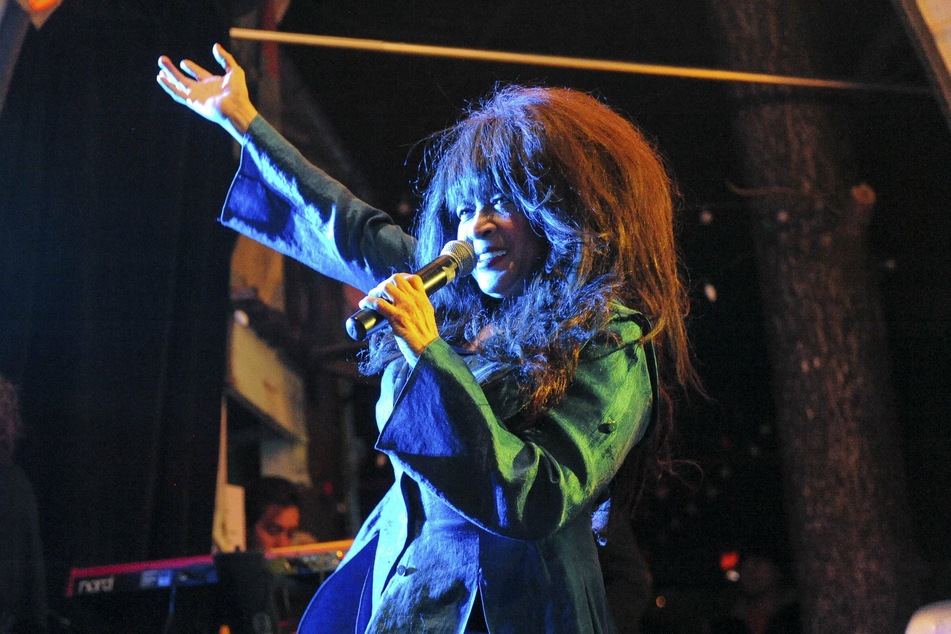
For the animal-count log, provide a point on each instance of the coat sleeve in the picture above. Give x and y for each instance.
(280, 199)
(528, 485)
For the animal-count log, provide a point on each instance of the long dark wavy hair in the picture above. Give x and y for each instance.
(10, 425)
(596, 189)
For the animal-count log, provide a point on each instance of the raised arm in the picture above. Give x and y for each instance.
(283, 201)
(222, 99)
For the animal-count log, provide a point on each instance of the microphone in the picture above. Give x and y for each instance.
(456, 259)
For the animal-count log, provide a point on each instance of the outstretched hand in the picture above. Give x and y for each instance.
(222, 99)
(402, 300)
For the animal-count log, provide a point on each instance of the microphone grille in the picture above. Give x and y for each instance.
(463, 254)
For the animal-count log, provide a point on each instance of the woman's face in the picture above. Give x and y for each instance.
(508, 251)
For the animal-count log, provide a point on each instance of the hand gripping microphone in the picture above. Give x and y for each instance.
(457, 259)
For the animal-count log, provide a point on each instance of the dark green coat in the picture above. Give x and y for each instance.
(475, 510)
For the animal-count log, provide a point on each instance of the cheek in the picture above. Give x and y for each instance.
(532, 245)
(463, 231)
(536, 244)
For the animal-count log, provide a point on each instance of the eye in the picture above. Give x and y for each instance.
(464, 213)
(503, 205)
(276, 529)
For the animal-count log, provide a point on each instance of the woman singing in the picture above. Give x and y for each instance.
(512, 398)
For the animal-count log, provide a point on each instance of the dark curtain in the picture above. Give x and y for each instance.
(114, 281)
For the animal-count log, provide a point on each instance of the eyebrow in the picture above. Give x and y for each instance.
(275, 527)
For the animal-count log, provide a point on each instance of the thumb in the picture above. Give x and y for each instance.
(224, 57)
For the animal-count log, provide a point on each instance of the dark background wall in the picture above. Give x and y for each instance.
(114, 280)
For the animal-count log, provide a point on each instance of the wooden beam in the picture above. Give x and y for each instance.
(401, 48)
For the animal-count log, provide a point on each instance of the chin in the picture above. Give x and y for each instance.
(492, 291)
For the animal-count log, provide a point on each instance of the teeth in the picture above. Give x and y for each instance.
(485, 256)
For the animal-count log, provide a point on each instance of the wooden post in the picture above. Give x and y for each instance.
(843, 472)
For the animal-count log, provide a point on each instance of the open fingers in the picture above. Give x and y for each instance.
(172, 79)
(168, 69)
(195, 70)
(172, 85)
(171, 88)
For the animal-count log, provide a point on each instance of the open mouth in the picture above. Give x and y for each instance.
(487, 258)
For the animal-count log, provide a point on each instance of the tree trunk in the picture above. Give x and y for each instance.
(843, 473)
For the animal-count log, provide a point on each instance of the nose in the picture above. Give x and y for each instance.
(483, 222)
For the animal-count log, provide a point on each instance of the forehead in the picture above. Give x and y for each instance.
(470, 186)
(274, 513)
